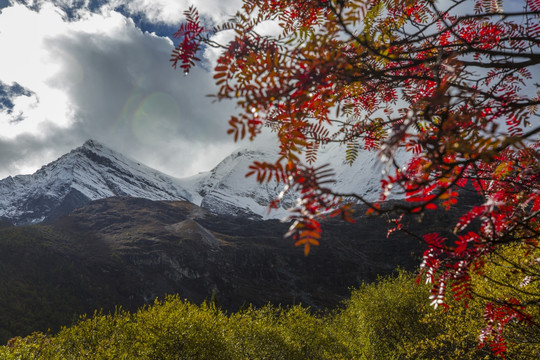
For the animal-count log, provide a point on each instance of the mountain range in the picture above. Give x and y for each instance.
(93, 171)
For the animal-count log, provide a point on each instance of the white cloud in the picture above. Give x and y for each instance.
(171, 11)
(99, 76)
(212, 54)
(22, 40)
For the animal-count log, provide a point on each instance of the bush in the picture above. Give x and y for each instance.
(390, 319)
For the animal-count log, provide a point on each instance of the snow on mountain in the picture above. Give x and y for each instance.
(226, 190)
(87, 173)
(362, 177)
(94, 171)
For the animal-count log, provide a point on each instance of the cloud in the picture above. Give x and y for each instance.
(171, 11)
(168, 12)
(21, 35)
(25, 153)
(99, 76)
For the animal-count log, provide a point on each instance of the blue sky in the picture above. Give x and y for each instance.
(71, 70)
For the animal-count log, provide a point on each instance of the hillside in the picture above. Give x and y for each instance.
(128, 251)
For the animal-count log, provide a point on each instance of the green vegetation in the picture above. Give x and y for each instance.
(390, 319)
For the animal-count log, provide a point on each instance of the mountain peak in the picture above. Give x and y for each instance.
(91, 143)
(98, 148)
(94, 171)
(87, 173)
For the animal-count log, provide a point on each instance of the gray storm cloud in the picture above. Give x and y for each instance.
(117, 87)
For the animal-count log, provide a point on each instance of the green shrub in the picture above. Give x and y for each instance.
(390, 319)
(276, 333)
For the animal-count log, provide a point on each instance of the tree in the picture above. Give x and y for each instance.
(452, 83)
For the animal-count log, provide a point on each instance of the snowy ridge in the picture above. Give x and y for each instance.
(94, 171)
(226, 190)
(363, 177)
(87, 173)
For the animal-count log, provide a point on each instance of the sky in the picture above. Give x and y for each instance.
(73, 70)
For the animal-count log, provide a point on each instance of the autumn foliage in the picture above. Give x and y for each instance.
(452, 83)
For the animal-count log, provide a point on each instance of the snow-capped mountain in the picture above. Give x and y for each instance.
(225, 189)
(87, 173)
(94, 171)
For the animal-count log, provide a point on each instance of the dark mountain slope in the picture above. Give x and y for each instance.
(127, 251)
